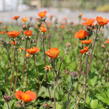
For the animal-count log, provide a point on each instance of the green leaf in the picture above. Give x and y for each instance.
(94, 104)
(88, 100)
(103, 98)
(93, 81)
(58, 106)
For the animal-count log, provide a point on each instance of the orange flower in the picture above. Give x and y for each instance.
(62, 26)
(89, 22)
(47, 68)
(28, 55)
(43, 29)
(13, 42)
(18, 95)
(28, 33)
(15, 17)
(42, 14)
(84, 18)
(1, 22)
(32, 94)
(13, 34)
(107, 41)
(86, 41)
(84, 50)
(32, 50)
(2, 32)
(81, 34)
(53, 53)
(24, 19)
(102, 21)
(26, 96)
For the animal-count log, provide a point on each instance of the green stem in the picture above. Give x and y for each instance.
(43, 46)
(8, 105)
(48, 87)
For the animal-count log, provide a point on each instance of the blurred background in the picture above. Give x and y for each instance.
(22, 5)
(60, 8)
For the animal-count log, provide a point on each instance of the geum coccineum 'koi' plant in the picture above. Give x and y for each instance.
(66, 72)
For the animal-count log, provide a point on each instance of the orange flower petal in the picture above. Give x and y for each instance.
(81, 34)
(53, 53)
(102, 21)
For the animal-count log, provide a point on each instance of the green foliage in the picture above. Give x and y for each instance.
(67, 84)
(104, 8)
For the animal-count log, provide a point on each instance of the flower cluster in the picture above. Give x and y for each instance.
(91, 24)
